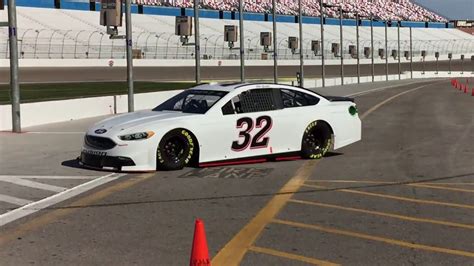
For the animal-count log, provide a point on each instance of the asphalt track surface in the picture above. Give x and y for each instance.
(403, 195)
(59, 74)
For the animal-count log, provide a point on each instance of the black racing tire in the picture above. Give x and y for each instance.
(175, 150)
(317, 140)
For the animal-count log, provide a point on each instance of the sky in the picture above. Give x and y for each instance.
(452, 9)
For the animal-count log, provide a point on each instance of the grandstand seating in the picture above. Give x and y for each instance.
(384, 9)
(59, 33)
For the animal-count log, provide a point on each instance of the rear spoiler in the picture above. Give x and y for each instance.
(339, 99)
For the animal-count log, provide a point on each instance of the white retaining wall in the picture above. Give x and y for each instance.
(33, 114)
(190, 62)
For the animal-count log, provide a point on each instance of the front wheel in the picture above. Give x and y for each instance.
(175, 150)
(317, 140)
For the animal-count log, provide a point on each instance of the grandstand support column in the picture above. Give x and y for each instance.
(14, 84)
(372, 46)
(341, 35)
(300, 21)
(386, 51)
(275, 48)
(398, 52)
(358, 44)
(411, 54)
(323, 71)
(197, 43)
(129, 43)
(242, 40)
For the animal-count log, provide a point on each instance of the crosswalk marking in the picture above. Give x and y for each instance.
(32, 184)
(56, 198)
(13, 200)
(49, 177)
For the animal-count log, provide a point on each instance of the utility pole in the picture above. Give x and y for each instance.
(323, 70)
(14, 83)
(300, 21)
(275, 48)
(129, 43)
(242, 40)
(197, 47)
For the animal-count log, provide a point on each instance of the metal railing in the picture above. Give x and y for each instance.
(56, 44)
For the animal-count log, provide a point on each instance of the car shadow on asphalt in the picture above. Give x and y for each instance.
(74, 163)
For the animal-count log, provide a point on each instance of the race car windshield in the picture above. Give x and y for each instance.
(192, 101)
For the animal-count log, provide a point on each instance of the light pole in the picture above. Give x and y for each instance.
(129, 43)
(372, 45)
(386, 51)
(342, 44)
(357, 47)
(341, 11)
(275, 48)
(14, 83)
(242, 40)
(197, 48)
(398, 52)
(411, 54)
(300, 22)
(358, 22)
(323, 72)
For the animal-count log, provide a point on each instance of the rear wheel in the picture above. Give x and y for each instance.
(317, 140)
(175, 150)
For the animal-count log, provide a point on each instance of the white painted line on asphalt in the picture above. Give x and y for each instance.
(32, 184)
(54, 199)
(55, 133)
(13, 200)
(49, 177)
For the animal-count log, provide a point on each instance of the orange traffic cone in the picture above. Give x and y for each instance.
(465, 88)
(200, 252)
(472, 93)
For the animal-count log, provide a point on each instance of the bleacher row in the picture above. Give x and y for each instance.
(61, 33)
(382, 9)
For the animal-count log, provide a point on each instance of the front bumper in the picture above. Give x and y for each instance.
(105, 162)
(124, 156)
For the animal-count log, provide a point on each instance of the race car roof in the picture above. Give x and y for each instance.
(225, 86)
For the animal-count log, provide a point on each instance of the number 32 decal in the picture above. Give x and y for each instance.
(259, 140)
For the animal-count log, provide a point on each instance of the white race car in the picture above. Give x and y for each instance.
(217, 124)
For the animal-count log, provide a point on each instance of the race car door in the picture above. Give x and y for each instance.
(248, 126)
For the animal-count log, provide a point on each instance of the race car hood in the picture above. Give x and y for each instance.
(136, 119)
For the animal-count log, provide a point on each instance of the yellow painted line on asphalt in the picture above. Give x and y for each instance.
(442, 188)
(390, 182)
(452, 183)
(291, 256)
(383, 214)
(415, 184)
(350, 181)
(52, 216)
(376, 238)
(233, 252)
(432, 202)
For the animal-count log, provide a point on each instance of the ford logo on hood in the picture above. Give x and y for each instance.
(100, 131)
